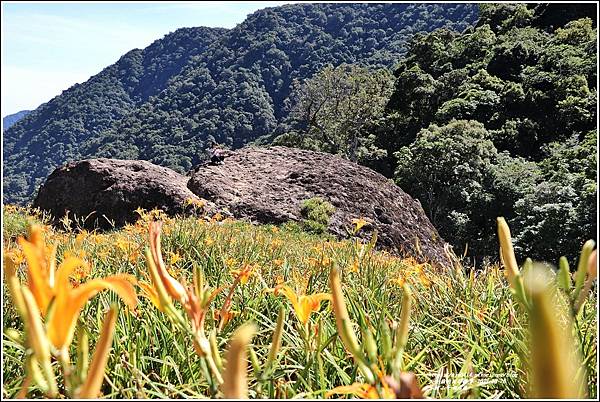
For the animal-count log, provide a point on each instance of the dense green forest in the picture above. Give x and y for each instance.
(236, 93)
(477, 111)
(501, 121)
(165, 102)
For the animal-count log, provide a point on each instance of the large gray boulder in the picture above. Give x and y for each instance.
(108, 191)
(268, 185)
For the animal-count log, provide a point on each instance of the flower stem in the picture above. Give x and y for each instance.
(63, 358)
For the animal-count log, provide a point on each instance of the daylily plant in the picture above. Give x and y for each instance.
(398, 385)
(359, 223)
(194, 299)
(224, 315)
(554, 360)
(50, 295)
(50, 284)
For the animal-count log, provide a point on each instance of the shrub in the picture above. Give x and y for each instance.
(316, 213)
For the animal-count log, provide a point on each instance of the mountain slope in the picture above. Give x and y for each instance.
(11, 119)
(227, 86)
(54, 132)
(235, 92)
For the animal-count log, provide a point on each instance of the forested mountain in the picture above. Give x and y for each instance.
(166, 102)
(235, 93)
(11, 119)
(500, 120)
(54, 132)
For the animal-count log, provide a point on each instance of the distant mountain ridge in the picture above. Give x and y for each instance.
(54, 132)
(9, 120)
(165, 103)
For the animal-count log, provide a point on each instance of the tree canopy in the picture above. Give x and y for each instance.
(336, 109)
(500, 120)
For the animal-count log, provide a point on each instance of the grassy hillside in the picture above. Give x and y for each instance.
(467, 334)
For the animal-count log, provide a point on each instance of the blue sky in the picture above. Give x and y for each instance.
(47, 47)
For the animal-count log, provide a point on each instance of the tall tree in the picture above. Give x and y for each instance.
(334, 110)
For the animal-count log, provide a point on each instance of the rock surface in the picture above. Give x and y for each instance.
(267, 185)
(110, 189)
(263, 185)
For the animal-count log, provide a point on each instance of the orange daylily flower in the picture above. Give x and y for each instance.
(275, 244)
(241, 276)
(422, 276)
(46, 286)
(149, 292)
(40, 267)
(319, 262)
(175, 289)
(405, 387)
(245, 273)
(79, 239)
(123, 244)
(16, 255)
(278, 280)
(230, 262)
(303, 305)
(226, 316)
(400, 280)
(174, 258)
(362, 391)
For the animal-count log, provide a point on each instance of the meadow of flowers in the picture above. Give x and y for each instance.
(201, 307)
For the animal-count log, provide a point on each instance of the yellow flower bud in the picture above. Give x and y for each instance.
(235, 384)
(214, 349)
(341, 312)
(93, 382)
(14, 285)
(554, 358)
(276, 340)
(582, 266)
(402, 331)
(37, 339)
(507, 253)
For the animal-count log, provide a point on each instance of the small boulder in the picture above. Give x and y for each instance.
(106, 191)
(268, 185)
